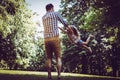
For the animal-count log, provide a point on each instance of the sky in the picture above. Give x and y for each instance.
(39, 7)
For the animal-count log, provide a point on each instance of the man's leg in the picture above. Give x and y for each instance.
(49, 66)
(57, 51)
(59, 65)
(49, 52)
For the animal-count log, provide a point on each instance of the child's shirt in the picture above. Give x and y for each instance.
(74, 38)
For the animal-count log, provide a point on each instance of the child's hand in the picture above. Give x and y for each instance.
(65, 31)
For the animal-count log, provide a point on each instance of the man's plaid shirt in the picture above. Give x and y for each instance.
(50, 23)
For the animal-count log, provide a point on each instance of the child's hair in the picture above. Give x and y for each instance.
(75, 31)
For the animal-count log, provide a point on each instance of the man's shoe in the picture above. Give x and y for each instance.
(49, 78)
(59, 78)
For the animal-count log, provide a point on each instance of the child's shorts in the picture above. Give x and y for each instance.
(80, 42)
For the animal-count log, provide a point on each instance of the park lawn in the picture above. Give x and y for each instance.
(33, 75)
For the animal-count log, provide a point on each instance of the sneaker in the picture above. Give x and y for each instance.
(59, 78)
(49, 78)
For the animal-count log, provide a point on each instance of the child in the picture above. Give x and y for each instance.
(74, 36)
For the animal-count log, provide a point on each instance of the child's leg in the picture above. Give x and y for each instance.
(88, 39)
(88, 48)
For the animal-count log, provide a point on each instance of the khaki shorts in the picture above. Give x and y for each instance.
(52, 45)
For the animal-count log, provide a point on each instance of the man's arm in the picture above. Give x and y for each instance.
(60, 18)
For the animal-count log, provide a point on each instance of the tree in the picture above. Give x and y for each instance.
(16, 33)
(97, 17)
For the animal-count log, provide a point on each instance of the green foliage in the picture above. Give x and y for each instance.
(7, 10)
(99, 17)
(16, 34)
(112, 8)
(38, 60)
(18, 47)
(92, 19)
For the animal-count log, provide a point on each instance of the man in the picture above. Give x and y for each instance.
(51, 38)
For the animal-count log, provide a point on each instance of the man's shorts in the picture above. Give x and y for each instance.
(52, 45)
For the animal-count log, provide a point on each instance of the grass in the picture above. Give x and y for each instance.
(32, 75)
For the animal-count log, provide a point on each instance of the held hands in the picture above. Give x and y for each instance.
(63, 30)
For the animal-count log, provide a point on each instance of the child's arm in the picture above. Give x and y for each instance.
(65, 31)
(71, 40)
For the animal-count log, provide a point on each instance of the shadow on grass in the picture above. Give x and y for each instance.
(33, 75)
(41, 77)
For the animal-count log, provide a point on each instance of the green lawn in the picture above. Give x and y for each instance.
(32, 75)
